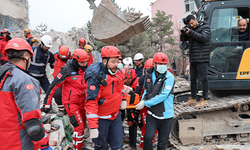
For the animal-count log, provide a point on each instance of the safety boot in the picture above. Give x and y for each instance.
(203, 103)
(190, 102)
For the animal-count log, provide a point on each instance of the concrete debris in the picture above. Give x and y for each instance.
(47, 127)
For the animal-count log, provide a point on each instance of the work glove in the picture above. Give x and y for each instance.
(48, 148)
(127, 89)
(140, 105)
(123, 105)
(94, 133)
(45, 108)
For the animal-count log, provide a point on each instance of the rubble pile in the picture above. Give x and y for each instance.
(69, 39)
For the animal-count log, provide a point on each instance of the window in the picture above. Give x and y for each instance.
(189, 5)
(226, 44)
(224, 24)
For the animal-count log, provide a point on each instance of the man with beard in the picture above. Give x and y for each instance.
(71, 78)
(243, 30)
(42, 56)
(199, 40)
(104, 99)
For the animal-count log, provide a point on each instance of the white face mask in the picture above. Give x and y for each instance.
(161, 68)
(112, 72)
(120, 65)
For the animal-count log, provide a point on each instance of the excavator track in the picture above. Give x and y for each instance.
(225, 120)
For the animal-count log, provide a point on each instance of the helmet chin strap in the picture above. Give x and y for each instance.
(12, 55)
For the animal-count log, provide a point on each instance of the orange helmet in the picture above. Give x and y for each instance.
(126, 74)
(18, 45)
(34, 40)
(149, 63)
(80, 55)
(4, 30)
(82, 41)
(110, 51)
(26, 31)
(63, 52)
(160, 57)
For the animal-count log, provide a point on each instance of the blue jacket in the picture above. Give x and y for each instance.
(163, 102)
(40, 60)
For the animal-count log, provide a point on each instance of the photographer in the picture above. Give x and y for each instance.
(198, 34)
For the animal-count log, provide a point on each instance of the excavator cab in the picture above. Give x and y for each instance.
(227, 45)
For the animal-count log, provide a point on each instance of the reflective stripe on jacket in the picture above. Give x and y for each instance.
(39, 61)
(19, 102)
(102, 102)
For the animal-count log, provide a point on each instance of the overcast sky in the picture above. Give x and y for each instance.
(62, 15)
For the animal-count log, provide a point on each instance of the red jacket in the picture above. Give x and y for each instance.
(73, 86)
(90, 59)
(59, 63)
(19, 102)
(103, 102)
(3, 43)
(135, 80)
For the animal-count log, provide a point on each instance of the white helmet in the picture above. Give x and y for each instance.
(138, 56)
(127, 61)
(47, 40)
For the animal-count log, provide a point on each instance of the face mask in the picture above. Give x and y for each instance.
(112, 72)
(161, 68)
(120, 65)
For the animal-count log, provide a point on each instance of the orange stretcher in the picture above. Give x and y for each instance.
(135, 102)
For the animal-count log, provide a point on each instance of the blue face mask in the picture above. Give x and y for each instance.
(120, 65)
(161, 68)
(112, 72)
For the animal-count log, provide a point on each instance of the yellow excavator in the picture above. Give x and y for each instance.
(227, 118)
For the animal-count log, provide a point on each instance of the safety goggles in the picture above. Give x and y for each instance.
(64, 56)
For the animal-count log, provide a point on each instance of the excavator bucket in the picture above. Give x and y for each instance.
(113, 26)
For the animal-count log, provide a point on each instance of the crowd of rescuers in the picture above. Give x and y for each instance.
(103, 93)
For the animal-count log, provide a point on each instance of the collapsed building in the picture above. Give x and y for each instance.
(15, 16)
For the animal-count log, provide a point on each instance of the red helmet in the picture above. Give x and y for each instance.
(63, 52)
(110, 51)
(160, 57)
(149, 63)
(80, 55)
(120, 57)
(5, 31)
(18, 45)
(82, 41)
(126, 74)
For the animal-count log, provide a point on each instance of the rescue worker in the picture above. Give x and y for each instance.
(104, 99)
(143, 112)
(71, 77)
(130, 79)
(82, 43)
(5, 37)
(28, 36)
(20, 114)
(88, 49)
(138, 59)
(158, 98)
(61, 59)
(42, 56)
(34, 42)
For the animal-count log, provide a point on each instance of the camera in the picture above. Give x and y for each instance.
(184, 30)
